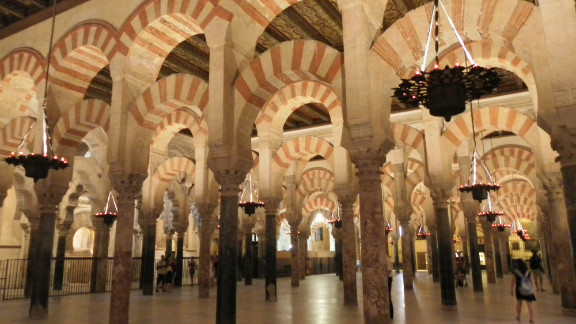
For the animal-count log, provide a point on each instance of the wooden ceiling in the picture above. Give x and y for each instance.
(319, 20)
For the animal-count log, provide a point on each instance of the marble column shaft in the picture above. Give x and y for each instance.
(488, 251)
(229, 181)
(561, 242)
(100, 263)
(48, 197)
(59, 264)
(406, 239)
(270, 287)
(248, 257)
(474, 255)
(563, 141)
(435, 257)
(338, 258)
(204, 263)
(302, 254)
(497, 255)
(504, 251)
(32, 248)
(374, 258)
(295, 281)
(148, 254)
(168, 252)
(179, 271)
(445, 256)
(349, 249)
(127, 188)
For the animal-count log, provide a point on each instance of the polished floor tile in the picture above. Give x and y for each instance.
(318, 300)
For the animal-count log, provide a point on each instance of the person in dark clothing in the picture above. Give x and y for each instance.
(537, 270)
(521, 273)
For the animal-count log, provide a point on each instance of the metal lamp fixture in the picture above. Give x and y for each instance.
(337, 217)
(37, 166)
(490, 211)
(110, 211)
(423, 232)
(500, 223)
(445, 91)
(389, 227)
(249, 200)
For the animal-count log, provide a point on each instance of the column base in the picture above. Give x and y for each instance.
(452, 306)
(569, 312)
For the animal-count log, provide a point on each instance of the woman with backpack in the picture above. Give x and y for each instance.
(522, 288)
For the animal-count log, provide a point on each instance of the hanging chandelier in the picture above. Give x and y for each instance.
(490, 211)
(249, 200)
(337, 217)
(423, 232)
(500, 223)
(388, 229)
(110, 211)
(37, 166)
(445, 92)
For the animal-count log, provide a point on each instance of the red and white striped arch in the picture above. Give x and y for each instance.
(277, 110)
(169, 94)
(507, 24)
(320, 202)
(304, 147)
(287, 63)
(410, 137)
(80, 55)
(263, 12)
(78, 121)
(167, 171)
(489, 119)
(27, 60)
(156, 28)
(315, 180)
(175, 122)
(503, 159)
(13, 133)
(387, 177)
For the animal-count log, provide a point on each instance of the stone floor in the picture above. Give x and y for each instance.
(317, 300)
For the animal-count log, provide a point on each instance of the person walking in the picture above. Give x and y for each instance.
(521, 286)
(192, 269)
(537, 270)
(161, 267)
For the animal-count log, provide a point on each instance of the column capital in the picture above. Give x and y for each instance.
(346, 196)
(563, 141)
(552, 183)
(49, 196)
(230, 181)
(271, 204)
(440, 196)
(369, 167)
(64, 227)
(180, 227)
(127, 186)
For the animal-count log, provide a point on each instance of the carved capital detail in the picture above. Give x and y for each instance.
(440, 197)
(229, 181)
(127, 187)
(49, 196)
(271, 205)
(563, 141)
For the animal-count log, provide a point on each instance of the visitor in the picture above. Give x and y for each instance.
(521, 278)
(192, 268)
(170, 271)
(161, 274)
(537, 269)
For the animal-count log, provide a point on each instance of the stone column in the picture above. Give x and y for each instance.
(270, 285)
(440, 198)
(180, 228)
(295, 282)
(127, 187)
(169, 232)
(434, 249)
(204, 264)
(374, 258)
(470, 212)
(542, 201)
(32, 249)
(564, 142)
(229, 181)
(303, 252)
(148, 224)
(48, 196)
(504, 250)
(63, 231)
(406, 239)
(100, 255)
(561, 240)
(488, 251)
(337, 234)
(261, 253)
(248, 252)
(26, 241)
(497, 254)
(239, 262)
(347, 199)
